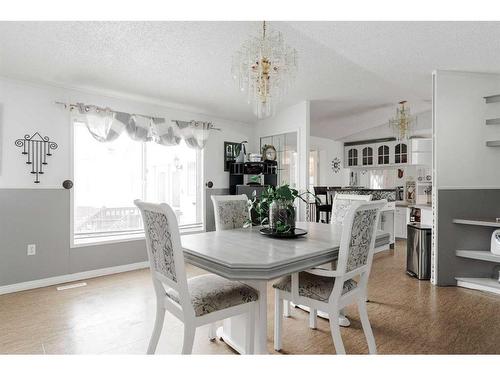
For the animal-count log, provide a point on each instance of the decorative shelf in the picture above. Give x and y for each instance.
(492, 143)
(493, 121)
(485, 222)
(492, 99)
(485, 255)
(484, 284)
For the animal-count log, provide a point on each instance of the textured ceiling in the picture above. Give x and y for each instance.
(354, 73)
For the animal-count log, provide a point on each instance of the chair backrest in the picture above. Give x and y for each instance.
(231, 211)
(321, 191)
(165, 254)
(358, 237)
(342, 203)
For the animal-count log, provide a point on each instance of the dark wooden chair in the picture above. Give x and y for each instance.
(325, 205)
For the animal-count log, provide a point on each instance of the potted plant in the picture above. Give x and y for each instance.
(275, 207)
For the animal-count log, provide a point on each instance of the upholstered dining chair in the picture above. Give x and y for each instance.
(231, 211)
(332, 290)
(340, 206)
(197, 301)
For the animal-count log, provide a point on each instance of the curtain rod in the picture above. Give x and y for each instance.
(87, 106)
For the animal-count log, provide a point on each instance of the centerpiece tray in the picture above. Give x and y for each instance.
(294, 233)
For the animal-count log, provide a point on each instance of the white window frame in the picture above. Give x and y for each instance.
(137, 235)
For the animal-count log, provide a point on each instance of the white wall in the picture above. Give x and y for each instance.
(328, 150)
(26, 108)
(294, 118)
(461, 157)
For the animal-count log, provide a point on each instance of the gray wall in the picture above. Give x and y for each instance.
(464, 203)
(42, 217)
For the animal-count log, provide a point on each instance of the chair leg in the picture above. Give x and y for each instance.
(155, 336)
(250, 331)
(313, 314)
(335, 329)
(286, 309)
(278, 319)
(367, 328)
(212, 332)
(189, 331)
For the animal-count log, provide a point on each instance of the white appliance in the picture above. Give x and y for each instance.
(495, 242)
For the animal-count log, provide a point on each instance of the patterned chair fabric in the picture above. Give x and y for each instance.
(232, 214)
(361, 236)
(157, 228)
(313, 286)
(211, 293)
(340, 208)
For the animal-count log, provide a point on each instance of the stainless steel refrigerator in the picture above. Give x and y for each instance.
(418, 251)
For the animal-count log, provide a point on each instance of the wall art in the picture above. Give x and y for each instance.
(336, 165)
(37, 149)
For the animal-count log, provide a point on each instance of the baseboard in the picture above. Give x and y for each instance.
(27, 285)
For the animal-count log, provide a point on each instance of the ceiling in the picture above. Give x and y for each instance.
(354, 73)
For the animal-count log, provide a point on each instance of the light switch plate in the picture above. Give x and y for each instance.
(31, 249)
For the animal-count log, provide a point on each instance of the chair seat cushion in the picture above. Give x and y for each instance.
(313, 286)
(211, 293)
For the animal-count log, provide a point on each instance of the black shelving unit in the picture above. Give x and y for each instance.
(237, 172)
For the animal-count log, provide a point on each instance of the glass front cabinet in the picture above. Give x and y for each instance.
(377, 154)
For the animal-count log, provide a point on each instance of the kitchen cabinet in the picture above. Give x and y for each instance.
(401, 219)
(367, 156)
(388, 153)
(383, 155)
(421, 151)
(352, 157)
(400, 153)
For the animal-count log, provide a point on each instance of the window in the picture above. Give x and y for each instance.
(352, 157)
(367, 156)
(313, 169)
(401, 153)
(383, 155)
(109, 176)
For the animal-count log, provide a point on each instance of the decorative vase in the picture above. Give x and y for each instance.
(282, 216)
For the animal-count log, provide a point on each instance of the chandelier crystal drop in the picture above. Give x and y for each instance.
(265, 67)
(402, 122)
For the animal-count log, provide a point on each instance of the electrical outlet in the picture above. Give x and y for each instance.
(31, 249)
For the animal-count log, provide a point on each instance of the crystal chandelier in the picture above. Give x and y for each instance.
(265, 67)
(402, 122)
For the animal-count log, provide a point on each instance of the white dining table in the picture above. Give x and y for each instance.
(255, 259)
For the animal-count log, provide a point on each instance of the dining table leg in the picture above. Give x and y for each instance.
(261, 327)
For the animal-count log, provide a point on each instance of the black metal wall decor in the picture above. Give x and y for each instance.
(37, 148)
(336, 165)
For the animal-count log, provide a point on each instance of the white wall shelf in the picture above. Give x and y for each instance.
(485, 255)
(484, 222)
(493, 121)
(484, 284)
(492, 99)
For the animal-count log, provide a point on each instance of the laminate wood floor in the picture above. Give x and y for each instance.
(115, 314)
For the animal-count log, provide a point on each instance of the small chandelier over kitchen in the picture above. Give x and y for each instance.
(265, 67)
(402, 122)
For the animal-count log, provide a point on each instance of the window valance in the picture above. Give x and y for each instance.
(106, 125)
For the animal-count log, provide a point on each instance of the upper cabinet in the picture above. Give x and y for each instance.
(400, 153)
(367, 158)
(383, 155)
(352, 157)
(387, 153)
